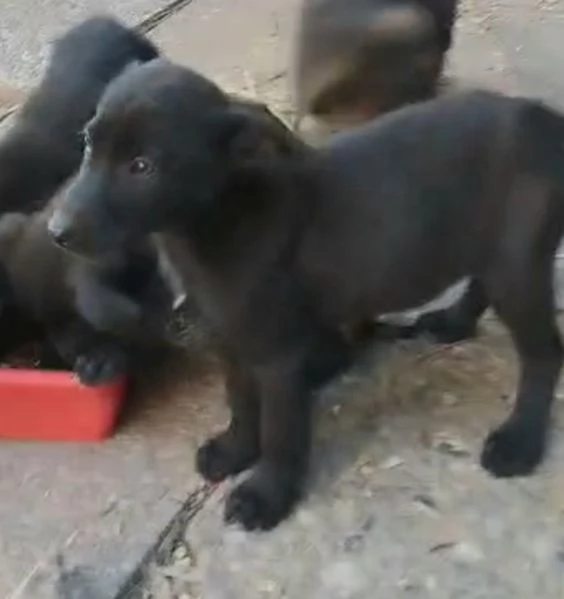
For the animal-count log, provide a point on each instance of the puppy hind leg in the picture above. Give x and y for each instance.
(524, 301)
(458, 321)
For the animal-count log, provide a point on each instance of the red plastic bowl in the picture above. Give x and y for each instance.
(53, 406)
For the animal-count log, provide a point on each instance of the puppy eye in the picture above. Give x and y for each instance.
(140, 166)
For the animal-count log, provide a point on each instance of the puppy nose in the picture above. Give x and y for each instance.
(61, 235)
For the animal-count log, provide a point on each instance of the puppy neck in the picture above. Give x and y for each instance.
(169, 273)
(257, 216)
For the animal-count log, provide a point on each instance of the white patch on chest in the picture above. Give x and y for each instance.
(170, 274)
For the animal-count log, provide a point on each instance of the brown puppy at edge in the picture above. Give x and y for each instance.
(355, 59)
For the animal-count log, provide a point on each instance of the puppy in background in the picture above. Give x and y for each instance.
(355, 59)
(43, 148)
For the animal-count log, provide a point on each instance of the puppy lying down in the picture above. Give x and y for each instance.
(94, 315)
(284, 247)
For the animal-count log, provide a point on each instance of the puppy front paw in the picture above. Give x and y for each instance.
(262, 501)
(100, 365)
(513, 449)
(225, 455)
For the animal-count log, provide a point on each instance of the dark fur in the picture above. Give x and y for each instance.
(44, 146)
(359, 58)
(92, 314)
(282, 248)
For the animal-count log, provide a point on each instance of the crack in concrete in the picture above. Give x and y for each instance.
(161, 551)
(161, 15)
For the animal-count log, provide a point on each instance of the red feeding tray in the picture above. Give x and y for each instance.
(48, 405)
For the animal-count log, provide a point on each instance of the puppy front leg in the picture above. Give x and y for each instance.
(237, 447)
(103, 307)
(275, 484)
(95, 358)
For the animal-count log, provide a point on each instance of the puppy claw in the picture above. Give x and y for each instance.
(512, 450)
(244, 507)
(99, 367)
(263, 500)
(218, 458)
(250, 507)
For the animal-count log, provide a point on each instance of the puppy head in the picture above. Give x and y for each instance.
(159, 152)
(148, 159)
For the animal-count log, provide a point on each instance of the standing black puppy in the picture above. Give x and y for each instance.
(358, 58)
(283, 249)
(44, 146)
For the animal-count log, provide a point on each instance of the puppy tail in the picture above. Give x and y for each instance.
(544, 129)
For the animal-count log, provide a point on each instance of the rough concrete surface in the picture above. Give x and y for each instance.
(397, 505)
(101, 506)
(28, 27)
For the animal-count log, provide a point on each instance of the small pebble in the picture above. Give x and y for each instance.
(426, 502)
(392, 462)
(426, 505)
(368, 524)
(336, 410)
(407, 585)
(442, 547)
(467, 553)
(268, 586)
(343, 578)
(431, 583)
(449, 399)
(353, 543)
(449, 444)
(180, 552)
(366, 469)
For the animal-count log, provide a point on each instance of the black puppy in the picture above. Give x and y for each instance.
(44, 146)
(355, 59)
(284, 248)
(91, 314)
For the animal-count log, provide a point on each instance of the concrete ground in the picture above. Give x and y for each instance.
(397, 505)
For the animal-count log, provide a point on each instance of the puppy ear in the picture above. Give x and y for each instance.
(248, 131)
(242, 135)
